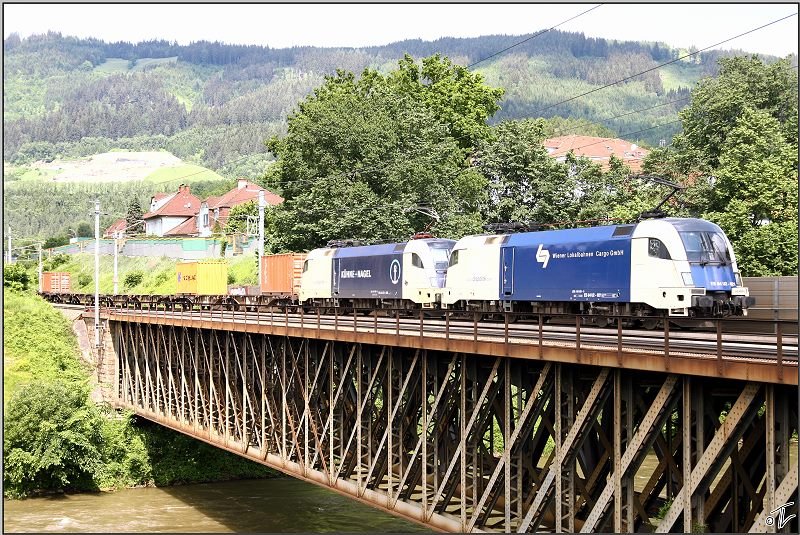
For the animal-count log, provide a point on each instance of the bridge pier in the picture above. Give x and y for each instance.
(466, 442)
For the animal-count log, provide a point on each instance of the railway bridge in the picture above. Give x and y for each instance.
(467, 425)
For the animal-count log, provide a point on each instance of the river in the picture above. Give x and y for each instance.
(266, 505)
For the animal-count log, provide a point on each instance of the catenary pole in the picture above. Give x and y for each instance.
(97, 273)
(260, 253)
(9, 244)
(116, 257)
(39, 246)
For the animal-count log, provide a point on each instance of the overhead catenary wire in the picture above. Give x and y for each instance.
(533, 36)
(679, 58)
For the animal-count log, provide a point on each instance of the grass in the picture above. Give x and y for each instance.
(41, 351)
(680, 75)
(118, 65)
(158, 273)
(38, 344)
(112, 66)
(187, 173)
(144, 63)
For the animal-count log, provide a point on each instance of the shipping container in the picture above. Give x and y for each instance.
(56, 282)
(280, 273)
(202, 277)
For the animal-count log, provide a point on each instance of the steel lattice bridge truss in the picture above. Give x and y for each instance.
(470, 433)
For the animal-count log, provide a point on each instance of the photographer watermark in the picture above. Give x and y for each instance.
(782, 519)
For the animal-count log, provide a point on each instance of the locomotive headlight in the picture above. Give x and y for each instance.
(687, 279)
(738, 279)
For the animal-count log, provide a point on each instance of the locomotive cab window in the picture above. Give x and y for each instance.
(453, 258)
(657, 249)
(305, 266)
(416, 261)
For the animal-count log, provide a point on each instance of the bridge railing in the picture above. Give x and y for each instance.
(706, 339)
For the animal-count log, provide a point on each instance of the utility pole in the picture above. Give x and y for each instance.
(116, 256)
(39, 246)
(261, 203)
(97, 274)
(9, 244)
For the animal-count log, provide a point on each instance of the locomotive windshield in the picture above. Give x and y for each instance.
(705, 247)
(441, 254)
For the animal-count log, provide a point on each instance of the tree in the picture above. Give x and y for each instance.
(237, 218)
(84, 230)
(52, 438)
(133, 218)
(525, 183)
(754, 198)
(361, 154)
(742, 83)
(55, 241)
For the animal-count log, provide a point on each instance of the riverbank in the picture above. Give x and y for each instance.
(57, 439)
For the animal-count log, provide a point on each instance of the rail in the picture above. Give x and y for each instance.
(523, 335)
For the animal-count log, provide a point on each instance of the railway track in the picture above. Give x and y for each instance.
(760, 347)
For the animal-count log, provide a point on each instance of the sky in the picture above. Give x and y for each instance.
(355, 25)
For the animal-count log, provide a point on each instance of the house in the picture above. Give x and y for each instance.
(217, 209)
(116, 230)
(169, 211)
(597, 149)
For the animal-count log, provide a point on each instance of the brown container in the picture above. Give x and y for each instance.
(56, 282)
(280, 273)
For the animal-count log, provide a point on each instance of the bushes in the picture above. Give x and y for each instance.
(16, 277)
(56, 439)
(133, 278)
(51, 440)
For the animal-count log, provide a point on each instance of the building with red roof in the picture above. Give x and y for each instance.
(170, 210)
(597, 149)
(116, 229)
(217, 209)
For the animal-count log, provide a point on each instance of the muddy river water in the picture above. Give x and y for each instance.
(270, 505)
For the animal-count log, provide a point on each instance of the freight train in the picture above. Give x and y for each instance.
(669, 267)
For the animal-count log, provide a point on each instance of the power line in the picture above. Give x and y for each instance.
(532, 37)
(573, 129)
(661, 65)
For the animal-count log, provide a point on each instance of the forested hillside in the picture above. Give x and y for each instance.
(215, 104)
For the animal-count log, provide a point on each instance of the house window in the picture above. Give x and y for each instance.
(205, 219)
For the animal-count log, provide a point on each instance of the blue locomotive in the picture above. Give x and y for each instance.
(681, 267)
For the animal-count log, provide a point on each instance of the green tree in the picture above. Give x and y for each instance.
(133, 218)
(754, 198)
(55, 241)
(237, 218)
(51, 438)
(361, 154)
(16, 276)
(742, 83)
(84, 230)
(525, 183)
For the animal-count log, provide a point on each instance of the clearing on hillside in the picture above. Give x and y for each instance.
(111, 167)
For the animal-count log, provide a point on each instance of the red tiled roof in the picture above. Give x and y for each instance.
(187, 228)
(182, 204)
(159, 196)
(118, 226)
(242, 195)
(597, 148)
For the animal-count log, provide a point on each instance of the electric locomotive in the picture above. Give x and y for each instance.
(672, 266)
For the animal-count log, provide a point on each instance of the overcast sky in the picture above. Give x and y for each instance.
(354, 25)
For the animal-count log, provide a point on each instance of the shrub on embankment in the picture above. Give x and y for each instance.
(57, 439)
